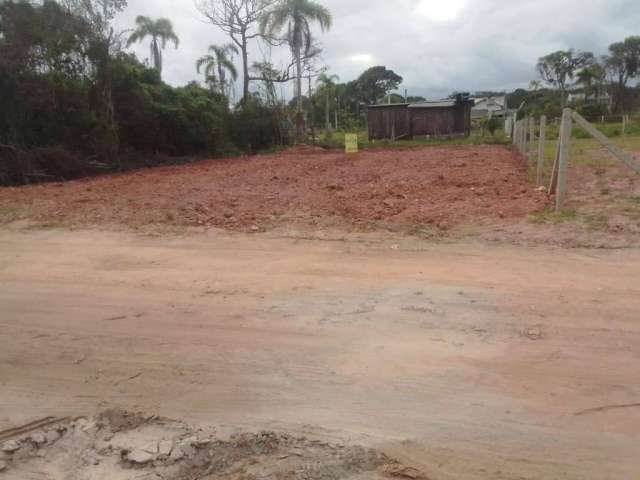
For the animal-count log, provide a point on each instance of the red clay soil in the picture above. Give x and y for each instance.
(438, 186)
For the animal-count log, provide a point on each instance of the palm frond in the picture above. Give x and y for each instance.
(274, 20)
(317, 13)
(230, 67)
(136, 36)
(164, 30)
(205, 60)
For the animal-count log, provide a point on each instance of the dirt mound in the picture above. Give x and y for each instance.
(118, 420)
(439, 187)
(114, 447)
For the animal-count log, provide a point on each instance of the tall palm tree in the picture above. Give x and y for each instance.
(219, 61)
(328, 84)
(160, 31)
(297, 16)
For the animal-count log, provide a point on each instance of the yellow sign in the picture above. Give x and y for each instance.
(351, 143)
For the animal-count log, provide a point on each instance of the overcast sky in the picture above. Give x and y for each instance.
(438, 46)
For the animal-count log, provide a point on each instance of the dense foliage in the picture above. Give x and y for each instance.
(50, 127)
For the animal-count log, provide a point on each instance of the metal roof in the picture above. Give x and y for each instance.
(436, 104)
(447, 103)
(382, 105)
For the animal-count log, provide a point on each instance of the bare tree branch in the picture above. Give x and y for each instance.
(238, 19)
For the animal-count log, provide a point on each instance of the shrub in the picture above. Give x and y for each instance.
(593, 112)
(256, 127)
(493, 124)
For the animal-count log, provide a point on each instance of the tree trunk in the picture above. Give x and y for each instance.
(222, 80)
(327, 113)
(245, 68)
(108, 140)
(157, 56)
(299, 117)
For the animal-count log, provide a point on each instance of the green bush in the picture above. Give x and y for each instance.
(493, 124)
(593, 112)
(256, 127)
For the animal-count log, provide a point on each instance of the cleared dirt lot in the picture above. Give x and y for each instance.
(465, 361)
(436, 187)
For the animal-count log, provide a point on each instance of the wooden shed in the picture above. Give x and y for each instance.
(389, 121)
(444, 118)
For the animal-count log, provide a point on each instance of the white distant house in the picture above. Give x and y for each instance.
(489, 107)
(603, 98)
(495, 107)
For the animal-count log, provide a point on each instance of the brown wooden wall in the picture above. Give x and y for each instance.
(388, 122)
(400, 121)
(441, 121)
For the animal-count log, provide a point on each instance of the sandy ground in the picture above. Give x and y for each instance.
(464, 360)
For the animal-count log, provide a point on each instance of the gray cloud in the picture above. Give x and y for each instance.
(437, 46)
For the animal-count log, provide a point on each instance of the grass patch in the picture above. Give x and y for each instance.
(10, 214)
(426, 232)
(596, 222)
(336, 141)
(554, 218)
(592, 222)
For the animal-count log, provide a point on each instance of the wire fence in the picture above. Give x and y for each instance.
(530, 137)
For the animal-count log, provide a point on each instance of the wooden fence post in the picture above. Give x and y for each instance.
(565, 146)
(532, 138)
(514, 131)
(553, 181)
(541, 145)
(624, 125)
(519, 136)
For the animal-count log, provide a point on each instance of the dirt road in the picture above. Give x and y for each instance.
(468, 361)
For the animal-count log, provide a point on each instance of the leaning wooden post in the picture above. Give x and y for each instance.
(541, 145)
(620, 154)
(565, 146)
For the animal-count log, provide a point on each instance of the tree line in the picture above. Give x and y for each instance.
(608, 74)
(74, 102)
